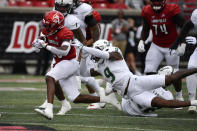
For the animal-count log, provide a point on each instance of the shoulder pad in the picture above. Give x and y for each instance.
(194, 17)
(72, 22)
(84, 9)
(146, 10)
(65, 33)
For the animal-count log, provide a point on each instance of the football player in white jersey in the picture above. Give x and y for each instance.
(133, 109)
(114, 70)
(192, 79)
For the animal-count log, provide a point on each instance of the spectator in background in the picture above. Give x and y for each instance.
(131, 47)
(119, 31)
(147, 46)
(134, 4)
(3, 3)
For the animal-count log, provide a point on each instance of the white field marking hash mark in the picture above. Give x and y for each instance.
(87, 115)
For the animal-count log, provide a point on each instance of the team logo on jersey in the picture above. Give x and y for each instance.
(163, 15)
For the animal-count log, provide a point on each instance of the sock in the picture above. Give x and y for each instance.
(50, 106)
(179, 94)
(194, 103)
(191, 86)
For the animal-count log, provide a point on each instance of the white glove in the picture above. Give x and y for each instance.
(141, 46)
(77, 44)
(191, 40)
(181, 49)
(37, 43)
(37, 50)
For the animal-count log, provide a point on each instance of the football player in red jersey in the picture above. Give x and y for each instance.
(162, 19)
(64, 67)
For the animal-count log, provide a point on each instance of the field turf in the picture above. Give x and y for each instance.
(19, 95)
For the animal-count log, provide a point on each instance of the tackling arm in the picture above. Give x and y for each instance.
(103, 54)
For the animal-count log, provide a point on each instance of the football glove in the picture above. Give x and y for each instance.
(37, 43)
(141, 48)
(77, 44)
(181, 49)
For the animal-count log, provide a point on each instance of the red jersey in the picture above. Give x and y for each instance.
(163, 28)
(97, 17)
(57, 39)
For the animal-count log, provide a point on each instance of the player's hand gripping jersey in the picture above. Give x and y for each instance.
(163, 28)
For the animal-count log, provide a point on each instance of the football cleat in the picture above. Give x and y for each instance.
(65, 108)
(94, 106)
(192, 109)
(179, 99)
(47, 113)
(43, 106)
(111, 99)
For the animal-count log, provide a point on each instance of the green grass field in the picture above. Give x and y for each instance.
(17, 108)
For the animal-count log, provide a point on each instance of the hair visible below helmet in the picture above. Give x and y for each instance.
(64, 6)
(158, 5)
(101, 44)
(52, 22)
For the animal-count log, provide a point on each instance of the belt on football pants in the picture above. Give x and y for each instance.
(126, 89)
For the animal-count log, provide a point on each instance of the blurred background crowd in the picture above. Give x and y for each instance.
(125, 31)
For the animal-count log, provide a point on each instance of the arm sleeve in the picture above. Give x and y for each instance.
(97, 52)
(56, 51)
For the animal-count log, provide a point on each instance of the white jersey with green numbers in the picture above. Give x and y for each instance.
(115, 72)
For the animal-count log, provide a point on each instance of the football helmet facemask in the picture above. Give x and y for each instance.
(101, 45)
(53, 21)
(158, 5)
(64, 6)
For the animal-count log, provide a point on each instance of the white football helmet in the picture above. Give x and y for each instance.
(64, 6)
(166, 70)
(102, 44)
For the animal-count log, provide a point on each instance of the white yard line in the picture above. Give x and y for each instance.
(20, 89)
(86, 126)
(88, 115)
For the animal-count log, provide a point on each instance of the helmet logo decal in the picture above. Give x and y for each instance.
(56, 18)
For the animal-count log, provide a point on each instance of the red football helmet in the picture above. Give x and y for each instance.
(53, 21)
(158, 5)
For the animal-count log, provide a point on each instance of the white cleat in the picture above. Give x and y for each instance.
(94, 106)
(64, 109)
(192, 109)
(46, 113)
(44, 105)
(111, 99)
(179, 99)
